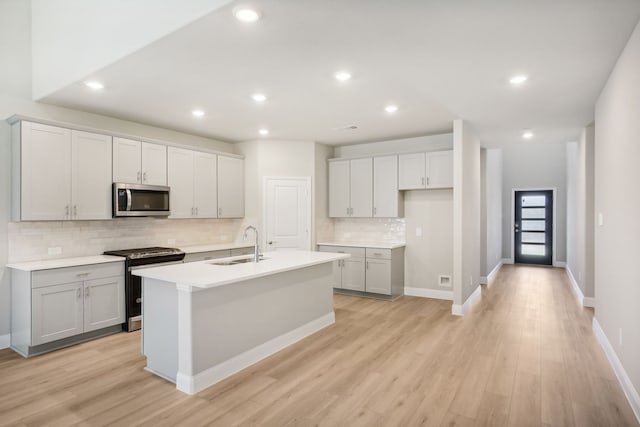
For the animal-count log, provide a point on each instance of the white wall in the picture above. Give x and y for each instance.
(15, 97)
(466, 212)
(427, 256)
(491, 210)
(617, 253)
(74, 38)
(534, 165)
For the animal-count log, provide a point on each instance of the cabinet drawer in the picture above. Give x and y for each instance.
(242, 251)
(379, 253)
(203, 256)
(76, 274)
(354, 252)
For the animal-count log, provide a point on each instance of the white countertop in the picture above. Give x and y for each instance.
(376, 245)
(213, 247)
(205, 274)
(64, 262)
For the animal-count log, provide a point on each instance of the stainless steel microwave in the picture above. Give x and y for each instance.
(140, 200)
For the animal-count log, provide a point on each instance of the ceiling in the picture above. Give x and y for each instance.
(436, 60)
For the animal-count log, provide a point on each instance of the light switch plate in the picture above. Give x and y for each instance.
(600, 219)
(418, 231)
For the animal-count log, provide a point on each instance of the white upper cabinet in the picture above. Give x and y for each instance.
(351, 188)
(154, 164)
(386, 197)
(64, 174)
(440, 169)
(181, 181)
(44, 159)
(230, 187)
(136, 162)
(205, 185)
(339, 192)
(426, 170)
(90, 175)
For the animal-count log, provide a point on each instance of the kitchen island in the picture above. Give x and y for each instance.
(204, 321)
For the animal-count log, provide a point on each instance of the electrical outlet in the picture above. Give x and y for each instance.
(620, 336)
(418, 231)
(444, 281)
(171, 242)
(56, 250)
(600, 219)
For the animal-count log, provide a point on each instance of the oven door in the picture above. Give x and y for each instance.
(140, 200)
(133, 295)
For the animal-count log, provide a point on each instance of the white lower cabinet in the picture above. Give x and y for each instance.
(369, 270)
(53, 304)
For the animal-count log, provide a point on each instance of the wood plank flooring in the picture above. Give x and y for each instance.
(524, 356)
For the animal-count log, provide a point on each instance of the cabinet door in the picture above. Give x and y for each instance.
(180, 178)
(90, 175)
(361, 175)
(103, 303)
(336, 279)
(230, 187)
(205, 185)
(378, 276)
(154, 164)
(45, 172)
(126, 161)
(440, 169)
(385, 187)
(339, 197)
(56, 312)
(411, 171)
(353, 274)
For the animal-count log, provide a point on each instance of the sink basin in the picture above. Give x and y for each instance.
(235, 261)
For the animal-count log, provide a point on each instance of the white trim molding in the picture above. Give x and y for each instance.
(5, 341)
(461, 310)
(507, 261)
(192, 384)
(584, 301)
(485, 280)
(429, 293)
(560, 264)
(627, 386)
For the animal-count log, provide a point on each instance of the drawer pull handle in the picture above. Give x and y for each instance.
(340, 252)
(82, 274)
(377, 253)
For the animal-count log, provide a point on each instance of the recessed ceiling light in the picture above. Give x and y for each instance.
(246, 14)
(259, 97)
(94, 85)
(343, 76)
(198, 113)
(391, 108)
(527, 134)
(263, 132)
(518, 80)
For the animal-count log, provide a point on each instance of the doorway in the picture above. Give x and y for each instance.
(533, 227)
(287, 213)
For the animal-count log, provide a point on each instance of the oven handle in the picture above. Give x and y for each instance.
(159, 264)
(128, 199)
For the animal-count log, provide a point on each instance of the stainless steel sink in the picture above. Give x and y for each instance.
(235, 261)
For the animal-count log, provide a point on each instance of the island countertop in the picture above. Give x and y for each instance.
(206, 274)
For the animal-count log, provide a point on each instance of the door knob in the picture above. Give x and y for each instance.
(271, 242)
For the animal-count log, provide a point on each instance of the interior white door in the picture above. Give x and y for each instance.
(288, 213)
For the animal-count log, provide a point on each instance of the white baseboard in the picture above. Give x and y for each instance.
(485, 280)
(507, 260)
(461, 310)
(627, 386)
(5, 341)
(584, 301)
(560, 264)
(429, 293)
(192, 384)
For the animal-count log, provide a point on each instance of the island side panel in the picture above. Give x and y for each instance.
(234, 326)
(160, 327)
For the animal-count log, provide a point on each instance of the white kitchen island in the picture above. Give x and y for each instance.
(204, 321)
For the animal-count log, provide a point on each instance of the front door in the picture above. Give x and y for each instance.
(533, 227)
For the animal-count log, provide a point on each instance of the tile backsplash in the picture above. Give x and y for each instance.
(30, 241)
(363, 230)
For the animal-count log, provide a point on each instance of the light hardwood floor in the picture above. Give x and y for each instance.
(525, 355)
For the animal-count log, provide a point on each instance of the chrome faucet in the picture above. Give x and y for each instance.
(256, 250)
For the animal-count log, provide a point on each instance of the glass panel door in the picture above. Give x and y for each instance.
(533, 227)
